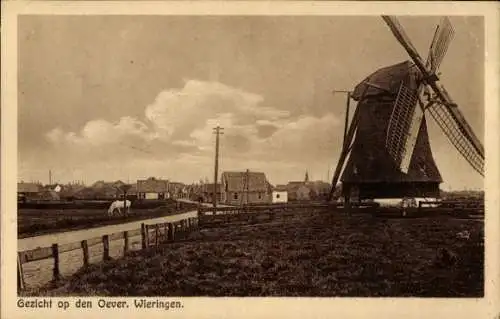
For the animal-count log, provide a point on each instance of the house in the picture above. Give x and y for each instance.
(152, 188)
(240, 188)
(280, 194)
(195, 192)
(175, 190)
(131, 192)
(27, 191)
(208, 193)
(100, 190)
(54, 187)
(49, 195)
(92, 193)
(68, 192)
(303, 193)
(119, 184)
(319, 190)
(293, 190)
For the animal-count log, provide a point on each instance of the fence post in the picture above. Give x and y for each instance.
(125, 243)
(148, 238)
(171, 232)
(184, 227)
(105, 247)
(20, 273)
(157, 234)
(85, 249)
(143, 236)
(55, 253)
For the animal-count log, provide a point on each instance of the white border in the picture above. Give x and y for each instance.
(487, 307)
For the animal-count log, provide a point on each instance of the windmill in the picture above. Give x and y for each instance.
(386, 143)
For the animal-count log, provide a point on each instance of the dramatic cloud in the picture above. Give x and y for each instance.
(179, 124)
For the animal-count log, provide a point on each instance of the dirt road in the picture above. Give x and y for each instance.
(40, 272)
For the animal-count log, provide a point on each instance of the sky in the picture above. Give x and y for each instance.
(129, 97)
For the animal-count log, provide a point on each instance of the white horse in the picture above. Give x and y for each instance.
(115, 209)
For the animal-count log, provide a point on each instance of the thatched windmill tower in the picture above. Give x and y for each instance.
(386, 144)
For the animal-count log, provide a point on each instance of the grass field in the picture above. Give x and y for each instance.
(322, 255)
(32, 222)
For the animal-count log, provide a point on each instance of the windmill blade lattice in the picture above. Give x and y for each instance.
(440, 43)
(400, 123)
(446, 114)
(449, 126)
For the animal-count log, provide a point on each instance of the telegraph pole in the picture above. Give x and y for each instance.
(217, 131)
(346, 125)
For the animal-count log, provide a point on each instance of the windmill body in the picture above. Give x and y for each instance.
(387, 144)
(371, 171)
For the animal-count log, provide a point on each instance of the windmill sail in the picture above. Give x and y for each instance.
(440, 43)
(446, 112)
(452, 130)
(411, 141)
(401, 133)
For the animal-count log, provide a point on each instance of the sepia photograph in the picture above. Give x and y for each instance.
(248, 156)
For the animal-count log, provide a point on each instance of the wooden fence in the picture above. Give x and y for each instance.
(151, 236)
(210, 216)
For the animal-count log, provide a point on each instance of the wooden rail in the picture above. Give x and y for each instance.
(276, 207)
(255, 213)
(151, 235)
(477, 206)
(208, 216)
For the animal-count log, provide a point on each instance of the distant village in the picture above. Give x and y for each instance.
(235, 188)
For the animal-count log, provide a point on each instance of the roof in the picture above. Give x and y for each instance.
(118, 183)
(319, 185)
(103, 184)
(294, 185)
(245, 181)
(71, 190)
(280, 188)
(99, 184)
(386, 80)
(175, 186)
(132, 189)
(152, 185)
(96, 191)
(49, 194)
(28, 188)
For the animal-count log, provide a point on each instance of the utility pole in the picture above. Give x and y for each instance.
(346, 125)
(217, 131)
(247, 180)
(50, 177)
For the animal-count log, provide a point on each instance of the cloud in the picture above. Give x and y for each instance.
(179, 124)
(177, 113)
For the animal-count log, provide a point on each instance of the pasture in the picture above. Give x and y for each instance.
(303, 255)
(42, 219)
